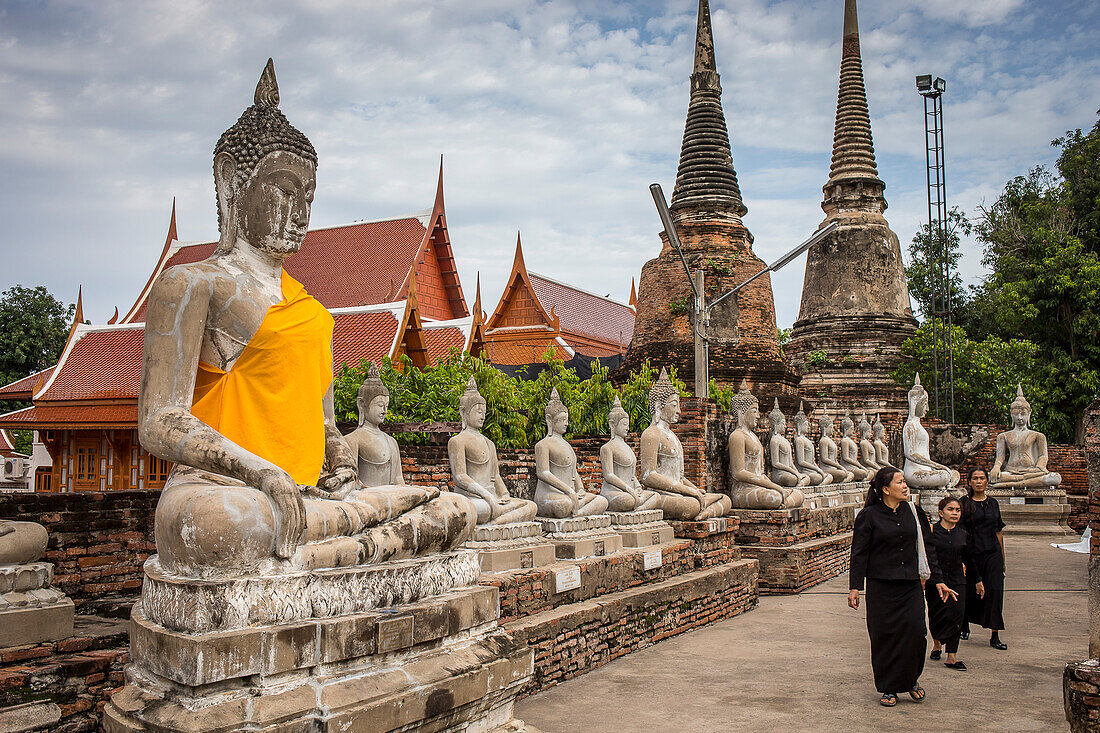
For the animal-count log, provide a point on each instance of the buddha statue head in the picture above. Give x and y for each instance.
(471, 406)
(864, 426)
(557, 414)
(618, 419)
(777, 419)
(801, 422)
(746, 407)
(879, 429)
(265, 174)
(846, 425)
(825, 423)
(664, 399)
(1020, 410)
(373, 399)
(918, 399)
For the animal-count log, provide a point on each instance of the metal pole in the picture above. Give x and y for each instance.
(947, 267)
(699, 327)
(929, 148)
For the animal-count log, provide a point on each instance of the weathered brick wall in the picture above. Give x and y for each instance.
(77, 674)
(792, 526)
(1092, 470)
(98, 540)
(793, 569)
(1081, 696)
(570, 642)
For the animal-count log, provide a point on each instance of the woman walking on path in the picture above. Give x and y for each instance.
(892, 551)
(983, 524)
(946, 618)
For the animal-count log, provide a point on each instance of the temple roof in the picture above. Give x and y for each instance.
(853, 146)
(582, 312)
(706, 178)
(7, 450)
(23, 389)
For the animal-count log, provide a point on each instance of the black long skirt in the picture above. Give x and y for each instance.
(988, 611)
(945, 620)
(895, 623)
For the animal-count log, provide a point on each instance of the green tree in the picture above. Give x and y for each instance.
(1079, 164)
(923, 275)
(33, 328)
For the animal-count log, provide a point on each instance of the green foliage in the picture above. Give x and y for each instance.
(924, 277)
(21, 441)
(818, 360)
(34, 326)
(1079, 164)
(723, 395)
(515, 414)
(678, 307)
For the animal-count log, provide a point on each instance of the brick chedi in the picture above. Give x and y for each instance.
(707, 209)
(855, 310)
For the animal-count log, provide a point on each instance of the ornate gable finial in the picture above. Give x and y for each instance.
(267, 89)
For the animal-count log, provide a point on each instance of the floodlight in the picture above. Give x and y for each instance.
(940, 85)
(924, 82)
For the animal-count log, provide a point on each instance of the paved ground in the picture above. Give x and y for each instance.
(803, 663)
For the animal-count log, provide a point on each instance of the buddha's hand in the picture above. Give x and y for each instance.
(6, 527)
(290, 512)
(341, 482)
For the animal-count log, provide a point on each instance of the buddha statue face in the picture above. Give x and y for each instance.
(558, 422)
(918, 401)
(375, 412)
(1021, 416)
(271, 208)
(670, 411)
(801, 423)
(880, 431)
(826, 424)
(620, 426)
(474, 414)
(779, 423)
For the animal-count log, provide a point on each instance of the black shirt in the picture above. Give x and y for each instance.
(982, 521)
(952, 552)
(884, 545)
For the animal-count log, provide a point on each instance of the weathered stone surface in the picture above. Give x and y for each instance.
(647, 516)
(35, 623)
(29, 716)
(503, 547)
(196, 606)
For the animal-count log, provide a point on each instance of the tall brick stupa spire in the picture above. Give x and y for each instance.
(707, 208)
(855, 300)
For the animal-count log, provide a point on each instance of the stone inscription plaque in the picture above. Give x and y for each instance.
(394, 633)
(655, 538)
(567, 579)
(600, 550)
(527, 559)
(652, 559)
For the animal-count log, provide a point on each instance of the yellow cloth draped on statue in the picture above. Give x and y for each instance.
(270, 401)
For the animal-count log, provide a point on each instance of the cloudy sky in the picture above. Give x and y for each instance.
(553, 117)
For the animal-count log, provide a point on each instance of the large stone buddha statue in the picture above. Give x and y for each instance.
(780, 453)
(559, 492)
(662, 461)
(474, 468)
(1022, 452)
(619, 465)
(749, 487)
(827, 451)
(236, 390)
(805, 459)
(921, 472)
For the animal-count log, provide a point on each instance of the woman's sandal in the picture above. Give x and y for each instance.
(888, 700)
(935, 654)
(917, 693)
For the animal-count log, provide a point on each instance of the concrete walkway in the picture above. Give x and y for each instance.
(803, 663)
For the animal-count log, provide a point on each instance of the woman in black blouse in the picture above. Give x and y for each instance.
(892, 551)
(946, 618)
(983, 524)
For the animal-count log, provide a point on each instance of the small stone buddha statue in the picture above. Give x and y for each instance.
(827, 451)
(783, 469)
(849, 451)
(805, 459)
(1022, 452)
(377, 456)
(749, 487)
(882, 451)
(474, 467)
(21, 542)
(621, 487)
(921, 472)
(559, 492)
(867, 454)
(236, 390)
(662, 459)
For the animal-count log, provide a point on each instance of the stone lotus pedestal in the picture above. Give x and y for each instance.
(576, 538)
(641, 528)
(514, 546)
(396, 646)
(1031, 511)
(31, 609)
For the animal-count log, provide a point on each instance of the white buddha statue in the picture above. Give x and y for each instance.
(920, 471)
(1022, 452)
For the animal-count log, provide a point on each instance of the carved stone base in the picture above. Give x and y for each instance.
(196, 606)
(642, 528)
(832, 495)
(1040, 512)
(515, 546)
(31, 610)
(575, 538)
(440, 664)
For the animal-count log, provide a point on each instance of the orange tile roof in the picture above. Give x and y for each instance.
(44, 417)
(440, 341)
(7, 450)
(514, 353)
(585, 313)
(341, 266)
(100, 365)
(23, 389)
(358, 336)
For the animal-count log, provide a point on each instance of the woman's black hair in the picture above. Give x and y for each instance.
(970, 479)
(947, 500)
(880, 480)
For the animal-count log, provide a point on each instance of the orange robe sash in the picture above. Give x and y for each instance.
(270, 400)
